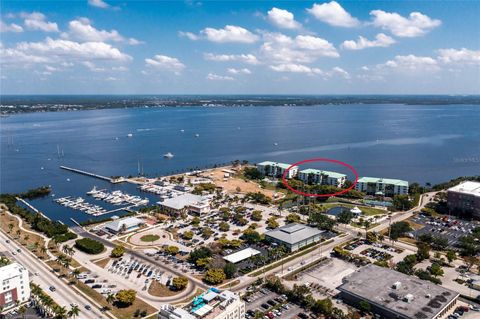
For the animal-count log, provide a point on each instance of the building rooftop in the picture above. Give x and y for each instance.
(397, 182)
(321, 172)
(281, 165)
(181, 201)
(11, 270)
(241, 255)
(129, 222)
(470, 188)
(400, 293)
(293, 233)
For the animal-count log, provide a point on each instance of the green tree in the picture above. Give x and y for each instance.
(451, 255)
(196, 221)
(224, 226)
(118, 251)
(345, 217)
(272, 223)
(364, 306)
(399, 229)
(214, 276)
(292, 218)
(402, 202)
(436, 270)
(179, 283)
(256, 215)
(423, 251)
(126, 297)
(230, 269)
(187, 235)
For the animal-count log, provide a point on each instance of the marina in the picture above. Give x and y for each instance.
(117, 197)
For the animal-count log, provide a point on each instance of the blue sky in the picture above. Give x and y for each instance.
(242, 47)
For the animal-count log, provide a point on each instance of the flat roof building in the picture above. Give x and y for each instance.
(316, 176)
(394, 295)
(464, 199)
(14, 285)
(241, 255)
(294, 236)
(186, 202)
(275, 169)
(126, 225)
(212, 304)
(382, 186)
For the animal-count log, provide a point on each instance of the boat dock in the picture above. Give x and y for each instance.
(79, 171)
(31, 207)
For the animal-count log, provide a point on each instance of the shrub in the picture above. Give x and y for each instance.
(89, 246)
(118, 251)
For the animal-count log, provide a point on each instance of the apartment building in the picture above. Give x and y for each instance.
(14, 285)
(274, 169)
(315, 176)
(382, 186)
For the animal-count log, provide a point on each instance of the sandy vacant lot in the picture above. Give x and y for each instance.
(231, 183)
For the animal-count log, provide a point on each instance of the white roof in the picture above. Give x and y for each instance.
(128, 222)
(11, 270)
(181, 201)
(210, 296)
(470, 188)
(203, 311)
(293, 233)
(241, 255)
(356, 210)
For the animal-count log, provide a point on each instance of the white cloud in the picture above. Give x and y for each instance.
(295, 68)
(164, 62)
(98, 3)
(333, 14)
(282, 19)
(417, 24)
(239, 71)
(92, 67)
(411, 63)
(461, 56)
(189, 35)
(244, 58)
(120, 68)
(111, 78)
(36, 21)
(230, 33)
(341, 72)
(133, 41)
(281, 49)
(381, 40)
(216, 77)
(60, 51)
(82, 30)
(12, 27)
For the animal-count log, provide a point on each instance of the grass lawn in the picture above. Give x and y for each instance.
(160, 290)
(31, 241)
(149, 238)
(367, 211)
(119, 313)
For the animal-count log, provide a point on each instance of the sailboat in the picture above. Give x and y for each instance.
(168, 155)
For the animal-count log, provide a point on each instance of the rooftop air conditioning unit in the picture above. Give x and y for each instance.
(408, 298)
(397, 285)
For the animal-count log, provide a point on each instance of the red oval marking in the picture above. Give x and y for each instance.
(350, 167)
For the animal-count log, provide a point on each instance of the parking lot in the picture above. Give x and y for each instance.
(271, 304)
(450, 228)
(377, 251)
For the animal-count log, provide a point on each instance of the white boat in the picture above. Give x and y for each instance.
(92, 191)
(197, 135)
(275, 143)
(129, 135)
(182, 130)
(168, 155)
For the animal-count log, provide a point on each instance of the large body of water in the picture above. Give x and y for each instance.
(416, 143)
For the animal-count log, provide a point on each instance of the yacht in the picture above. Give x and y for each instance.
(168, 155)
(129, 135)
(197, 135)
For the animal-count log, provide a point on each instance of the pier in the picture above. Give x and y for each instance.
(79, 171)
(31, 207)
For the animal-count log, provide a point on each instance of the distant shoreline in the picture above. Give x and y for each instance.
(17, 104)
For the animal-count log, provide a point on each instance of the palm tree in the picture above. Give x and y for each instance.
(60, 312)
(36, 245)
(65, 249)
(18, 232)
(10, 227)
(26, 237)
(74, 311)
(43, 250)
(110, 298)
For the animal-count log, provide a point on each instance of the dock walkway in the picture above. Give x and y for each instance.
(79, 171)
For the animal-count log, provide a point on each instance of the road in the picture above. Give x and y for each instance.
(64, 294)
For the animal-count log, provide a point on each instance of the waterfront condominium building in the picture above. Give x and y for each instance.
(382, 186)
(14, 285)
(464, 199)
(213, 304)
(274, 169)
(315, 176)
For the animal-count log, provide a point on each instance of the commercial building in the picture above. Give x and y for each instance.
(213, 304)
(464, 199)
(241, 255)
(186, 202)
(274, 169)
(394, 295)
(124, 225)
(315, 176)
(294, 236)
(14, 285)
(382, 186)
